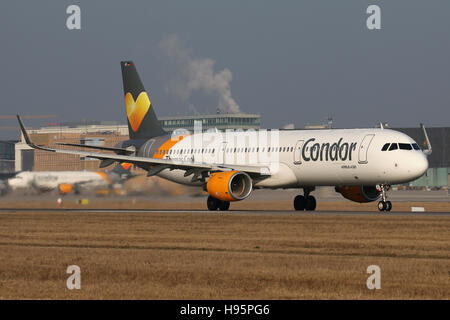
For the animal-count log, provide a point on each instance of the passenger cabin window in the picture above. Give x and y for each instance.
(405, 146)
(393, 146)
(385, 147)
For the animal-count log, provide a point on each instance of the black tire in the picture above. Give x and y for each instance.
(382, 206)
(388, 206)
(212, 203)
(299, 203)
(224, 205)
(310, 203)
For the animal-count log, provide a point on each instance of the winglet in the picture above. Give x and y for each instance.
(429, 149)
(24, 132)
(27, 137)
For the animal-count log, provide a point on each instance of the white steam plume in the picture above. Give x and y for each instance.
(197, 74)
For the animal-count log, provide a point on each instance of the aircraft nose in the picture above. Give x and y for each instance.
(423, 164)
(420, 165)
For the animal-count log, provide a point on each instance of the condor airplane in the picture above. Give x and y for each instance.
(360, 163)
(68, 181)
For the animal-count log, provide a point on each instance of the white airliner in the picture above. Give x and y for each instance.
(67, 181)
(360, 163)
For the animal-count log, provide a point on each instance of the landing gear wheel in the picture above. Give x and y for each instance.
(224, 205)
(212, 203)
(299, 203)
(388, 206)
(310, 203)
(382, 206)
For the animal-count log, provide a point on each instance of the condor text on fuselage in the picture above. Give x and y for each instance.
(328, 152)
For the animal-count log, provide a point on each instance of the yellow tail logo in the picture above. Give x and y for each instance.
(136, 110)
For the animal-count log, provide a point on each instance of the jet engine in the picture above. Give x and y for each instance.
(359, 193)
(229, 186)
(65, 188)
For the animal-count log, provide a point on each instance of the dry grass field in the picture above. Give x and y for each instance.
(223, 256)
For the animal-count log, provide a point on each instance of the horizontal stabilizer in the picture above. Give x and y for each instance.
(106, 163)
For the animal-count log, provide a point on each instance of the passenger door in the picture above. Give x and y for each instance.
(363, 148)
(298, 152)
(223, 150)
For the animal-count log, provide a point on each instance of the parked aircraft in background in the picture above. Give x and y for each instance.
(360, 163)
(4, 182)
(69, 181)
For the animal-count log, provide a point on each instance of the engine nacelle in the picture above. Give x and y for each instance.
(230, 185)
(359, 193)
(65, 188)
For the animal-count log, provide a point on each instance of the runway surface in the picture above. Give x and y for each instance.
(230, 212)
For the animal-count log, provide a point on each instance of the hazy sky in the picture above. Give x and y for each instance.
(290, 61)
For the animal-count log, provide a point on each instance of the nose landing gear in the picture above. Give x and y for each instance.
(384, 205)
(306, 202)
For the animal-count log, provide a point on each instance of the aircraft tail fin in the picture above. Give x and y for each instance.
(142, 120)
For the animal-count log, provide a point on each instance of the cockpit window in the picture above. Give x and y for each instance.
(401, 146)
(405, 146)
(393, 147)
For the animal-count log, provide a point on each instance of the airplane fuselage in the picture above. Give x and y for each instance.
(298, 158)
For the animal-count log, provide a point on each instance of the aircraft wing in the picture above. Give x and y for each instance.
(154, 165)
(118, 150)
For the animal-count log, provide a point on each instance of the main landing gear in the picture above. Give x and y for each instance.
(216, 204)
(305, 202)
(384, 205)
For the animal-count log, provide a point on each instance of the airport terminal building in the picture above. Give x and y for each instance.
(220, 121)
(7, 159)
